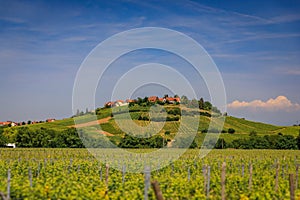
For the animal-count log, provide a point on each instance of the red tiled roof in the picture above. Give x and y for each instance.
(152, 98)
(5, 123)
(170, 99)
(108, 103)
(130, 100)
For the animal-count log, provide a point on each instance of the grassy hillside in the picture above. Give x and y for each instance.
(242, 127)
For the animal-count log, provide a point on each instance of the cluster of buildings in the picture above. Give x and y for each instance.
(153, 99)
(11, 123)
(119, 103)
(170, 100)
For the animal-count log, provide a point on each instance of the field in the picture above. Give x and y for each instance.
(76, 174)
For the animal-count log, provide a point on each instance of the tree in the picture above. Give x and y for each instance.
(167, 132)
(207, 105)
(98, 111)
(221, 144)
(184, 100)
(139, 100)
(298, 140)
(184, 142)
(28, 122)
(231, 130)
(193, 104)
(201, 103)
(216, 110)
(145, 100)
(253, 134)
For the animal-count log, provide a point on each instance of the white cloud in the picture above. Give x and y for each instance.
(279, 103)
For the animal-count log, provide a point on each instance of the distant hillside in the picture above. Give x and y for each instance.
(234, 128)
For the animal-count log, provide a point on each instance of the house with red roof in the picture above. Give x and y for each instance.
(120, 103)
(130, 100)
(50, 120)
(8, 123)
(153, 99)
(109, 104)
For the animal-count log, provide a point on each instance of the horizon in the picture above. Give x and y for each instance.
(255, 46)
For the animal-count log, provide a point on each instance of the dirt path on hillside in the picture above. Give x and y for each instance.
(100, 121)
(104, 133)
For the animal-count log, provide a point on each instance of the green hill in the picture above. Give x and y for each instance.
(140, 115)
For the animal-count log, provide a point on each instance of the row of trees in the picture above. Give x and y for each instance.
(193, 103)
(253, 142)
(201, 104)
(43, 137)
(71, 138)
(155, 141)
(267, 142)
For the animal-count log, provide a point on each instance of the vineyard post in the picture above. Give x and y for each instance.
(208, 182)
(107, 174)
(292, 186)
(123, 173)
(297, 176)
(8, 184)
(223, 179)
(70, 165)
(157, 191)
(243, 170)
(276, 178)
(100, 171)
(189, 174)
(282, 171)
(158, 166)
(204, 175)
(250, 175)
(30, 176)
(147, 182)
(38, 169)
(45, 163)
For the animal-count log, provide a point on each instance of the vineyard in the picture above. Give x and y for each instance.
(76, 174)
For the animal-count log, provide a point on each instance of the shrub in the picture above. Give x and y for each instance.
(231, 130)
(253, 133)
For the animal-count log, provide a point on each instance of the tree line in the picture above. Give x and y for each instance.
(278, 141)
(72, 138)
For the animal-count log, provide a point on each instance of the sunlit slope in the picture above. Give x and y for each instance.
(242, 126)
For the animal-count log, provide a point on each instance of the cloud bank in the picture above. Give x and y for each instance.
(280, 103)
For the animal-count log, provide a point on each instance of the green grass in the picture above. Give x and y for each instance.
(111, 127)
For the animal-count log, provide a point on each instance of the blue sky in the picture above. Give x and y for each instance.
(255, 45)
